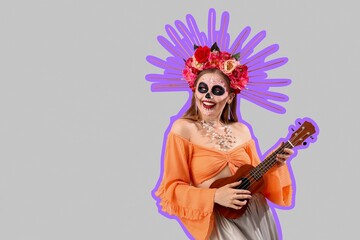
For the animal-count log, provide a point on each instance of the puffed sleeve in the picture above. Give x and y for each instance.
(278, 187)
(194, 206)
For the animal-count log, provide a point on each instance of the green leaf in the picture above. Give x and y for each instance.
(195, 46)
(236, 56)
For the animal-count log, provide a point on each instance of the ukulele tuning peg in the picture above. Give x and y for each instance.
(293, 129)
(304, 143)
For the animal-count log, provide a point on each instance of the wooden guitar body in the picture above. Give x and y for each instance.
(252, 177)
(249, 182)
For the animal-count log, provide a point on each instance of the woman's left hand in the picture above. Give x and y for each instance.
(281, 158)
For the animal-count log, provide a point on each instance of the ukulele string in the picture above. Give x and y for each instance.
(289, 144)
(252, 176)
(270, 161)
(268, 164)
(255, 174)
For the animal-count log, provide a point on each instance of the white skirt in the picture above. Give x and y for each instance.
(257, 223)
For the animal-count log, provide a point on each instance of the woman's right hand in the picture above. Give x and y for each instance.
(229, 196)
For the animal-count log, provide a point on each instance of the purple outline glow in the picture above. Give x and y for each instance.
(179, 43)
(180, 46)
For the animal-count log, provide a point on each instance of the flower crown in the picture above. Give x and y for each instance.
(208, 58)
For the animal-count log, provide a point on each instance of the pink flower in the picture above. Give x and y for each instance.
(190, 77)
(239, 78)
(214, 60)
(228, 66)
(188, 62)
(225, 55)
(199, 66)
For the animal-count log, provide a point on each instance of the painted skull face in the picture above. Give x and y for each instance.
(211, 94)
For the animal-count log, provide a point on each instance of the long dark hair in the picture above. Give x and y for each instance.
(226, 115)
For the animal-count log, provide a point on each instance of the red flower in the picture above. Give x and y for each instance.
(202, 54)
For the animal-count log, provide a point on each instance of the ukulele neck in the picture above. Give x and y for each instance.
(269, 162)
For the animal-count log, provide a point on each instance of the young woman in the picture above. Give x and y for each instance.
(208, 143)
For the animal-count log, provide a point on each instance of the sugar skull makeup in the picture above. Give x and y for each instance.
(217, 90)
(212, 94)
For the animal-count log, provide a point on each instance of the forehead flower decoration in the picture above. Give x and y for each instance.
(208, 58)
(245, 66)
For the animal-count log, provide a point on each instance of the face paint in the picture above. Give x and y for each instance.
(211, 94)
(217, 90)
(217, 81)
(203, 87)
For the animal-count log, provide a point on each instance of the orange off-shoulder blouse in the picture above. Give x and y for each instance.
(187, 164)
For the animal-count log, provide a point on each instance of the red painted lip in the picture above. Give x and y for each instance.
(208, 106)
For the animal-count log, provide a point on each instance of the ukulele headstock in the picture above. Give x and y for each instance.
(303, 132)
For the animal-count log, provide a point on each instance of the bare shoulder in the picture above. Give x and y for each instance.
(240, 129)
(183, 127)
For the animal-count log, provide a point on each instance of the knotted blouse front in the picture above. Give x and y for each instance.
(208, 162)
(187, 165)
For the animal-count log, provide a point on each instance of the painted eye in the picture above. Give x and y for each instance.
(218, 90)
(203, 88)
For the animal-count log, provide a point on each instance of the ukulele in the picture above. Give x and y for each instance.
(252, 177)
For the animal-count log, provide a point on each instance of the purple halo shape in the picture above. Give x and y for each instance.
(179, 44)
(180, 41)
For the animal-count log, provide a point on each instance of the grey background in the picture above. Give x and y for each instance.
(81, 133)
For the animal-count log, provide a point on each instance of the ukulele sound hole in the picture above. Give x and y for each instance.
(245, 184)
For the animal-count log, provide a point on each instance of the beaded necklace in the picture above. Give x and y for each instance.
(222, 142)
